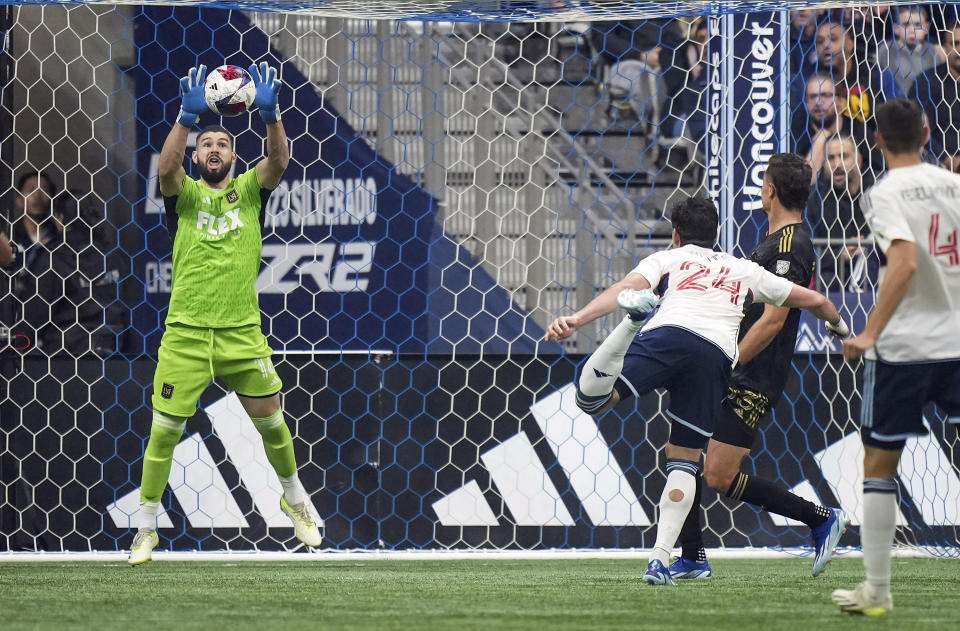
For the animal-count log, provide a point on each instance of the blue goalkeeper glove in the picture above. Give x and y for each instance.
(192, 91)
(268, 91)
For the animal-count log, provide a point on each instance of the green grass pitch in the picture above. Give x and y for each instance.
(482, 593)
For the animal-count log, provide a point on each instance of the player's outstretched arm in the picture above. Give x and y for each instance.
(763, 331)
(901, 266)
(270, 169)
(170, 168)
(605, 303)
(820, 306)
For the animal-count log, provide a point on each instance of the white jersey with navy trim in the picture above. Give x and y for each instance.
(920, 204)
(706, 291)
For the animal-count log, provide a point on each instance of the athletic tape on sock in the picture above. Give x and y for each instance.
(166, 421)
(269, 422)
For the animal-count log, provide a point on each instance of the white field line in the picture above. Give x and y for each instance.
(429, 555)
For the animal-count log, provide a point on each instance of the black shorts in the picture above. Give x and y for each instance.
(894, 396)
(694, 371)
(739, 416)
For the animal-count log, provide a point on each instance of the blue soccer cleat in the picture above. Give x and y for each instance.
(685, 568)
(826, 536)
(657, 574)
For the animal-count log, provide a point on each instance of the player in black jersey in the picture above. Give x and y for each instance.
(767, 338)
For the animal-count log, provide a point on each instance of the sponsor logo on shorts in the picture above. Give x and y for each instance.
(232, 196)
(166, 391)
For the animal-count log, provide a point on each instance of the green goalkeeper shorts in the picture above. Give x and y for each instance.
(190, 357)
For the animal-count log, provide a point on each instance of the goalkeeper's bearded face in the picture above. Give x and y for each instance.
(214, 157)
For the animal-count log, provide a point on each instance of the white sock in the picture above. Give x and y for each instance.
(293, 491)
(673, 513)
(147, 515)
(877, 531)
(605, 365)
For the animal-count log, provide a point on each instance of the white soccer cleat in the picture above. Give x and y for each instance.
(141, 550)
(304, 526)
(858, 600)
(638, 304)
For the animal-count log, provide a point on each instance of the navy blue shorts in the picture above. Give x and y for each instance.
(694, 371)
(894, 396)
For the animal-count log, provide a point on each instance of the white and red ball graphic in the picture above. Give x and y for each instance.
(229, 91)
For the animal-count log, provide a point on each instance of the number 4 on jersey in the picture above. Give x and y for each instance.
(949, 247)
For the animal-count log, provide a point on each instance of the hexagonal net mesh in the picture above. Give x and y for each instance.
(453, 187)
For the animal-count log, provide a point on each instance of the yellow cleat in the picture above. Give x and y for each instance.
(142, 547)
(304, 527)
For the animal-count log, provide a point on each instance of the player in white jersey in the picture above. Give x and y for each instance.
(687, 347)
(911, 341)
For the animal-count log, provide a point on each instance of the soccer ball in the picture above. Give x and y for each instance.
(229, 91)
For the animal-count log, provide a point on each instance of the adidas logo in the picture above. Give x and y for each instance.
(600, 375)
(597, 479)
(521, 479)
(923, 467)
(199, 486)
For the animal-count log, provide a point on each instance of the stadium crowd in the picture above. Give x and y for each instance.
(653, 76)
(59, 277)
(843, 64)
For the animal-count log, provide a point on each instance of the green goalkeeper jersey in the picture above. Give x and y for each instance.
(216, 252)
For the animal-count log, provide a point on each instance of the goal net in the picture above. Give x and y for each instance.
(461, 174)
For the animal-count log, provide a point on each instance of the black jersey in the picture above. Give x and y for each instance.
(788, 252)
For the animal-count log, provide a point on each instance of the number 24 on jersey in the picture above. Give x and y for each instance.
(701, 279)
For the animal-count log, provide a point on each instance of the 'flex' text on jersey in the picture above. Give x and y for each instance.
(216, 252)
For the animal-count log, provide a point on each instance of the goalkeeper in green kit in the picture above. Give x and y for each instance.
(213, 324)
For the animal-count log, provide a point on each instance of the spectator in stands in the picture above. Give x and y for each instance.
(32, 229)
(911, 52)
(834, 213)
(685, 83)
(63, 297)
(803, 31)
(819, 119)
(33, 209)
(937, 92)
(90, 315)
(632, 54)
(860, 86)
(869, 25)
